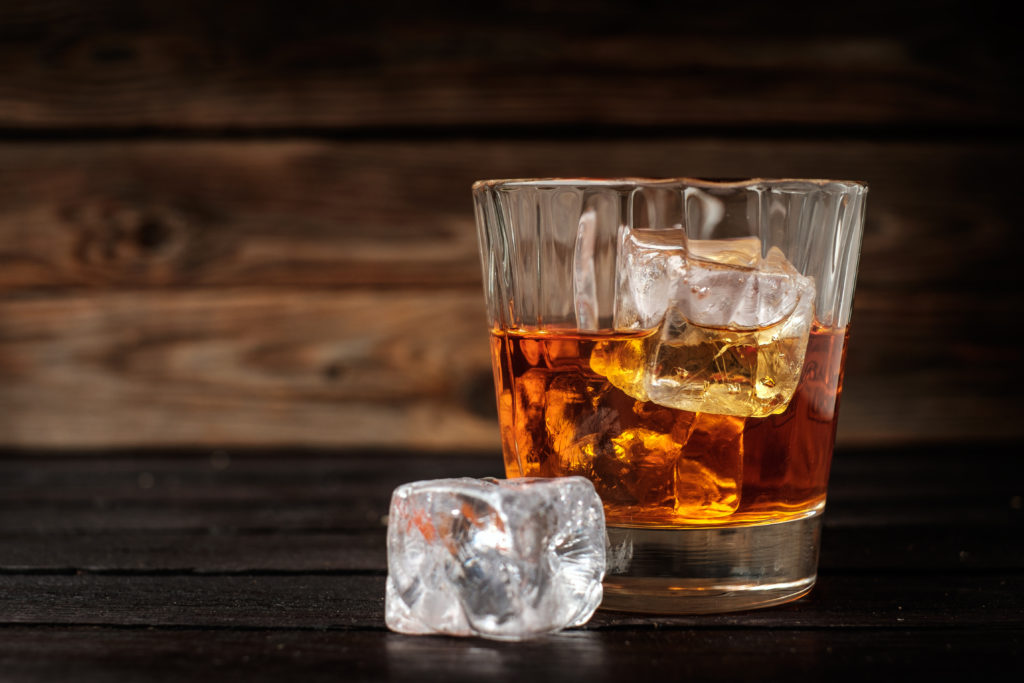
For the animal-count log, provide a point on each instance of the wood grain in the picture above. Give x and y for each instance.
(397, 369)
(92, 654)
(196, 65)
(314, 512)
(399, 214)
(310, 292)
(245, 604)
(192, 553)
(262, 476)
(305, 212)
(246, 367)
(958, 548)
(354, 601)
(227, 214)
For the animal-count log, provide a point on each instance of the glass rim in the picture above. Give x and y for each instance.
(639, 181)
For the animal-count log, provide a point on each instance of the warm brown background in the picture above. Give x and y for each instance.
(242, 223)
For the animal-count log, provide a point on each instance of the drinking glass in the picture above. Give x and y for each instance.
(680, 343)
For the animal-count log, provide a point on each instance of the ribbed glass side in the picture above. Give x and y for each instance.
(544, 242)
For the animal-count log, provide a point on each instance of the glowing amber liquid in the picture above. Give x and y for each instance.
(659, 466)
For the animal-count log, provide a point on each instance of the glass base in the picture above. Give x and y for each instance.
(708, 570)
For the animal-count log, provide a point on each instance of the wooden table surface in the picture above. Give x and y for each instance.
(167, 565)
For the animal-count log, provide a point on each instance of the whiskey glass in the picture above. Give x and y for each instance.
(679, 342)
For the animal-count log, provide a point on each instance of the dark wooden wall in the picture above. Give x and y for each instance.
(249, 223)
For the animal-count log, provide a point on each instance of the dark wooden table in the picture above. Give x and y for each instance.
(271, 565)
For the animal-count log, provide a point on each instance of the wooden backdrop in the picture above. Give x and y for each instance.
(249, 223)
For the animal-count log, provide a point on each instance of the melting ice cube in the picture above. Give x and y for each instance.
(502, 559)
(731, 327)
(724, 289)
(734, 338)
(709, 474)
(647, 262)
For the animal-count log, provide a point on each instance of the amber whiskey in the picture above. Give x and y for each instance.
(574, 404)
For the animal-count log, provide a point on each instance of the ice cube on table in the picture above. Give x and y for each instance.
(502, 559)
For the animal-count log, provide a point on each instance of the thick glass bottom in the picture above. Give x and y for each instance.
(708, 570)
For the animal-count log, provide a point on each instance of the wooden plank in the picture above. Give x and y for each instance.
(400, 369)
(222, 553)
(355, 601)
(892, 491)
(891, 510)
(395, 369)
(707, 654)
(226, 475)
(895, 548)
(939, 547)
(295, 515)
(215, 493)
(399, 214)
(196, 65)
(226, 214)
(871, 600)
(868, 476)
(227, 601)
(197, 518)
(94, 654)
